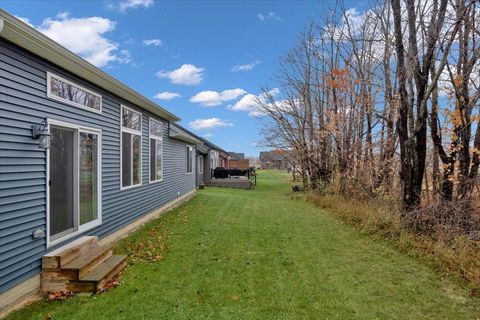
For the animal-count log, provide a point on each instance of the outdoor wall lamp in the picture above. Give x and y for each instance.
(42, 133)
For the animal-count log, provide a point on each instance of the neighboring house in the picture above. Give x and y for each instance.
(241, 164)
(209, 157)
(205, 155)
(202, 163)
(274, 159)
(254, 162)
(236, 155)
(113, 158)
(224, 157)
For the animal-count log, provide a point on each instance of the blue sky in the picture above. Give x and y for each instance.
(208, 58)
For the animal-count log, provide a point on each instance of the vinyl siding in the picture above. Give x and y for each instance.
(23, 102)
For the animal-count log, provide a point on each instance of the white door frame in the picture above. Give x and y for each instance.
(91, 224)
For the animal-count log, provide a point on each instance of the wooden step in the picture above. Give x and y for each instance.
(92, 281)
(104, 272)
(86, 263)
(63, 255)
(70, 286)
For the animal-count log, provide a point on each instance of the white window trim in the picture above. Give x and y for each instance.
(214, 159)
(66, 101)
(92, 224)
(202, 164)
(189, 148)
(155, 137)
(131, 131)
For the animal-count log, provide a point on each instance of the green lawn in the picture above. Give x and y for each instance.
(237, 254)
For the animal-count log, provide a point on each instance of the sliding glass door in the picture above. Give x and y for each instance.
(88, 180)
(74, 178)
(62, 182)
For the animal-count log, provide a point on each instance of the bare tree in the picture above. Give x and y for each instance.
(356, 95)
(414, 88)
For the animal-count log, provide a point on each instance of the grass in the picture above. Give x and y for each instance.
(239, 254)
(447, 249)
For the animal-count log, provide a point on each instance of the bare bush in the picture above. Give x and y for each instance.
(445, 218)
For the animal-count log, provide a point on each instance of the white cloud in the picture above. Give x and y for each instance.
(249, 102)
(354, 24)
(187, 74)
(268, 16)
(351, 24)
(355, 19)
(274, 91)
(212, 123)
(85, 37)
(232, 94)
(245, 67)
(124, 56)
(214, 98)
(152, 42)
(132, 4)
(167, 95)
(208, 135)
(25, 20)
(129, 40)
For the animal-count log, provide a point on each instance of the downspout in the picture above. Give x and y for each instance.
(1, 24)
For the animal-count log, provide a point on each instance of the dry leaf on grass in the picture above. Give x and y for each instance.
(112, 283)
(59, 295)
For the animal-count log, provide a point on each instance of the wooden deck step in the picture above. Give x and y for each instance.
(106, 271)
(63, 255)
(231, 183)
(86, 263)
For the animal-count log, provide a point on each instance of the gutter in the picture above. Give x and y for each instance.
(176, 133)
(23, 35)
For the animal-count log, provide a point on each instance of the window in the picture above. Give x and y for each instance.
(189, 159)
(200, 164)
(131, 142)
(156, 151)
(73, 94)
(213, 159)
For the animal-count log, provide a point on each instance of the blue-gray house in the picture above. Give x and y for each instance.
(81, 154)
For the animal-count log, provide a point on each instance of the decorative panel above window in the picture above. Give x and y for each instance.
(131, 119)
(155, 128)
(68, 92)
